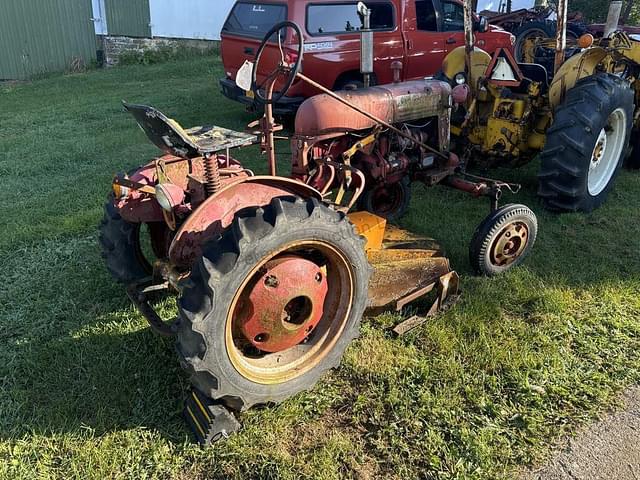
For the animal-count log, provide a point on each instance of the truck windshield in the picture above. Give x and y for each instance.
(344, 18)
(254, 19)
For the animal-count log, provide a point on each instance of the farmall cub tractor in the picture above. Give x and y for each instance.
(578, 117)
(272, 273)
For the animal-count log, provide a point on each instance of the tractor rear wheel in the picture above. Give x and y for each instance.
(273, 303)
(531, 30)
(586, 144)
(130, 248)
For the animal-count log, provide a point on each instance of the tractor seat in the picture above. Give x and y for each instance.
(170, 137)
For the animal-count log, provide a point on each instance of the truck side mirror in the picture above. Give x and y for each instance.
(481, 24)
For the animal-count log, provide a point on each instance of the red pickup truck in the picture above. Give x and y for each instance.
(419, 33)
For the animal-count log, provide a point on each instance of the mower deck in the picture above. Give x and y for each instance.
(406, 267)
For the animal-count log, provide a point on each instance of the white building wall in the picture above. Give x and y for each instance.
(197, 19)
(99, 17)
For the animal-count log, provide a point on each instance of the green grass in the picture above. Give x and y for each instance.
(86, 391)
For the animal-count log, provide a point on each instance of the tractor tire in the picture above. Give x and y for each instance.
(219, 303)
(633, 158)
(388, 201)
(528, 30)
(503, 239)
(586, 144)
(121, 247)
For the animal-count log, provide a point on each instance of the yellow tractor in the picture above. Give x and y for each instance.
(579, 119)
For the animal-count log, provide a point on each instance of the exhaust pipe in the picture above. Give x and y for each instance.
(366, 45)
(561, 35)
(613, 17)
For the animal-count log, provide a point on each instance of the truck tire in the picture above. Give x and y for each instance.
(586, 144)
(227, 290)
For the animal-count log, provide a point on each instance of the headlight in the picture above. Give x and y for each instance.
(460, 78)
(169, 196)
(513, 40)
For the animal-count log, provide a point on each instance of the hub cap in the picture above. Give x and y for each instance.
(607, 151)
(284, 305)
(509, 244)
(289, 312)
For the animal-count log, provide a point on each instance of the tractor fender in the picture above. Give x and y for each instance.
(217, 212)
(582, 65)
(455, 62)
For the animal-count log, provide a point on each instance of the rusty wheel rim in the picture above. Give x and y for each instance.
(289, 312)
(387, 199)
(509, 244)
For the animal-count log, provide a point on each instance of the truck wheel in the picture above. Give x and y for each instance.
(390, 201)
(123, 245)
(531, 30)
(503, 239)
(586, 143)
(273, 303)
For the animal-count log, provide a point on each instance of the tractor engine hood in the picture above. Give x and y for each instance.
(394, 103)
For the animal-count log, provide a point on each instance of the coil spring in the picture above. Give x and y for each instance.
(211, 175)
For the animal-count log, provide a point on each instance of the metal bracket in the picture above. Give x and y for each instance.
(139, 294)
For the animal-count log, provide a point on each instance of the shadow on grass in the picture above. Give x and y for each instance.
(75, 354)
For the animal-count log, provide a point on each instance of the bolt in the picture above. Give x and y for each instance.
(271, 281)
(318, 277)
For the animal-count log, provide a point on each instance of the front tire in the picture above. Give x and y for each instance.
(503, 239)
(250, 332)
(586, 143)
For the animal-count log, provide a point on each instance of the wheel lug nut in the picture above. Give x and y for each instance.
(271, 281)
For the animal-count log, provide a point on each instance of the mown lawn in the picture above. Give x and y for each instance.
(86, 391)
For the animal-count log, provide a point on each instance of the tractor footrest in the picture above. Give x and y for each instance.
(208, 420)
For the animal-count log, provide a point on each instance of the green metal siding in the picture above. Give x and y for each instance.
(39, 36)
(129, 18)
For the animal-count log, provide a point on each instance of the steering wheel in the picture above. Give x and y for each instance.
(284, 67)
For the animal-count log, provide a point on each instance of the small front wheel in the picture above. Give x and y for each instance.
(503, 239)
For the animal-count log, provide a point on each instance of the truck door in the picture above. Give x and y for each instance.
(425, 45)
(451, 23)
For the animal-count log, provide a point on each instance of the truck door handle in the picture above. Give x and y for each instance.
(451, 40)
(248, 51)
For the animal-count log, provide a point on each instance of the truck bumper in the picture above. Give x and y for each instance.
(285, 106)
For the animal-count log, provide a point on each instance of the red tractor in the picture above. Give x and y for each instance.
(273, 273)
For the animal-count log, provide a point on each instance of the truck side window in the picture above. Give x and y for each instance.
(343, 17)
(452, 17)
(426, 16)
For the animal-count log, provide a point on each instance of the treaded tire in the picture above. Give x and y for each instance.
(633, 159)
(488, 231)
(521, 34)
(401, 206)
(217, 276)
(120, 242)
(571, 139)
